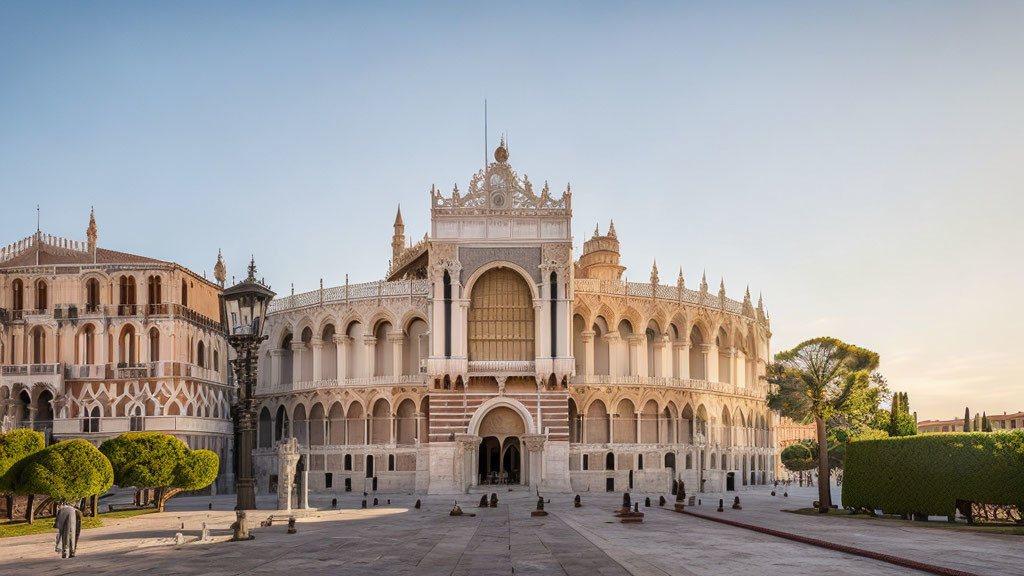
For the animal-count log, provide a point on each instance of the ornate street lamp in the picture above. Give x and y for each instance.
(243, 309)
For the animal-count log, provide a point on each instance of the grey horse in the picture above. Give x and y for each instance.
(69, 525)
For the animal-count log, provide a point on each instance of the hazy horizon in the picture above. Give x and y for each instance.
(858, 164)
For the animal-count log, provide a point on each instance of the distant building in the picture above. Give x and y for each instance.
(999, 422)
(95, 342)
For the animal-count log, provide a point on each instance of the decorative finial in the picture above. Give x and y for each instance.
(220, 272)
(704, 281)
(721, 290)
(252, 269)
(746, 297)
(398, 217)
(597, 230)
(654, 272)
(680, 281)
(501, 153)
(760, 302)
(293, 288)
(611, 229)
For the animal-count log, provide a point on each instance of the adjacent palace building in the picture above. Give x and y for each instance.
(95, 342)
(488, 355)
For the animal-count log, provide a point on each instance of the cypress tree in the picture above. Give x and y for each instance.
(894, 422)
(985, 427)
(967, 419)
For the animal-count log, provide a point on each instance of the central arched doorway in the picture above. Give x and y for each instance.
(500, 454)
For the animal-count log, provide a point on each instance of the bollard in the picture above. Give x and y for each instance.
(540, 506)
(334, 503)
(647, 502)
(456, 511)
(389, 501)
(661, 500)
(483, 501)
(494, 500)
(179, 539)
(291, 524)
(240, 530)
(417, 505)
(364, 503)
(736, 504)
(576, 502)
(721, 507)
(211, 506)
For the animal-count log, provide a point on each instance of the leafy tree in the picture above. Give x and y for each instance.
(14, 446)
(800, 457)
(161, 462)
(830, 382)
(66, 472)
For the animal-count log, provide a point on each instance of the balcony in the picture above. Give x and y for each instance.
(140, 371)
(502, 366)
(29, 374)
(75, 427)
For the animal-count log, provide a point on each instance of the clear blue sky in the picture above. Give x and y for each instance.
(859, 163)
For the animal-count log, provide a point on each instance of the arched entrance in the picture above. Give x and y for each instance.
(500, 454)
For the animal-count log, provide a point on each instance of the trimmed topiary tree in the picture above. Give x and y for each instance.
(151, 460)
(800, 457)
(64, 472)
(14, 446)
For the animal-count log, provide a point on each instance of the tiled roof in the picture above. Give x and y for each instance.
(52, 255)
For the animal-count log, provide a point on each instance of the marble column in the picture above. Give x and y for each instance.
(588, 351)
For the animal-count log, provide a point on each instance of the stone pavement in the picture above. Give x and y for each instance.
(587, 541)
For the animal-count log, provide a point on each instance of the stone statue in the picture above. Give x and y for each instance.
(456, 511)
(483, 501)
(69, 525)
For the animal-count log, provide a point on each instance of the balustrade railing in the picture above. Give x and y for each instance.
(349, 292)
(30, 370)
(755, 391)
(524, 366)
(405, 380)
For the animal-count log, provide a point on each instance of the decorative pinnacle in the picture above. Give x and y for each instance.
(680, 281)
(746, 297)
(597, 230)
(91, 231)
(611, 229)
(252, 269)
(704, 281)
(654, 272)
(220, 271)
(760, 302)
(398, 217)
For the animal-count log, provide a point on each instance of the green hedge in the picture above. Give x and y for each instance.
(14, 446)
(152, 459)
(928, 474)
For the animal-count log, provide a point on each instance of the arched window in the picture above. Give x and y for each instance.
(184, 292)
(216, 360)
(38, 346)
(501, 320)
(127, 293)
(89, 344)
(154, 289)
(154, 345)
(17, 296)
(639, 461)
(348, 462)
(41, 296)
(447, 314)
(135, 423)
(609, 461)
(92, 295)
(553, 288)
(201, 355)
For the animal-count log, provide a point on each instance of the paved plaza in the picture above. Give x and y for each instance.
(588, 541)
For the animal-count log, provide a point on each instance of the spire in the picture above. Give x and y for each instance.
(760, 302)
(721, 288)
(398, 239)
(611, 229)
(704, 281)
(91, 233)
(654, 272)
(746, 297)
(220, 272)
(597, 230)
(679, 281)
(252, 270)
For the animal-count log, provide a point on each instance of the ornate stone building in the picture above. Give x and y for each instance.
(489, 355)
(95, 342)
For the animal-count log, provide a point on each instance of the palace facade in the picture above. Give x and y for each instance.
(489, 354)
(94, 343)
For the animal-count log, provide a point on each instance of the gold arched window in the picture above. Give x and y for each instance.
(501, 317)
